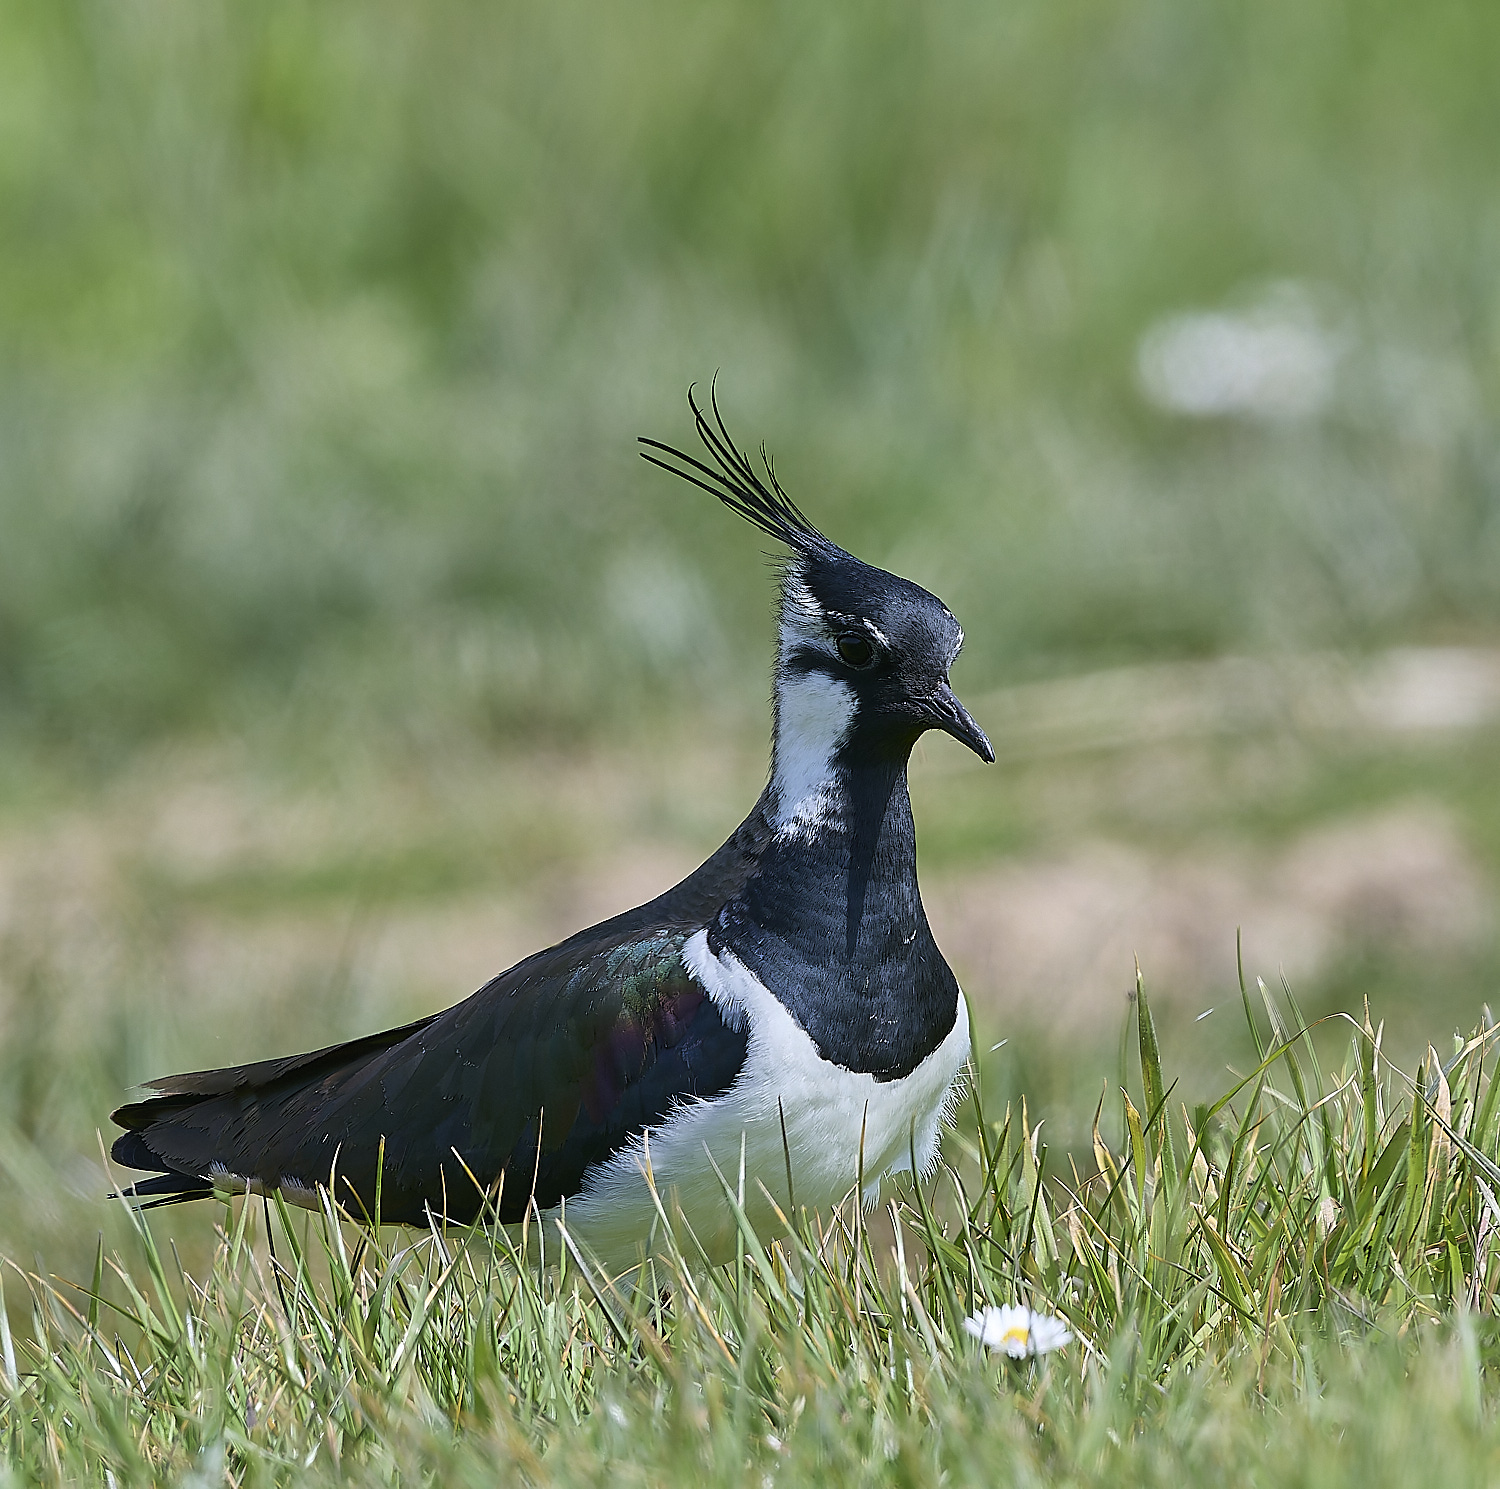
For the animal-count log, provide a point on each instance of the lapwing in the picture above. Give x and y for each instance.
(783, 1013)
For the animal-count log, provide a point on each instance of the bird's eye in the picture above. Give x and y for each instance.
(855, 649)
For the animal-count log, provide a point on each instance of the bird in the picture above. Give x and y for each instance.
(781, 1020)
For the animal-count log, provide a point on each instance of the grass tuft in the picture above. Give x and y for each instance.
(1226, 1273)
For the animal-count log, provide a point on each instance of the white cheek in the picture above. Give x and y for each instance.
(813, 715)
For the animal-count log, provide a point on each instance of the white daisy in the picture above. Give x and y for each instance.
(1017, 1331)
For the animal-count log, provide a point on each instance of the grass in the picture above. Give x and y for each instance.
(1297, 1281)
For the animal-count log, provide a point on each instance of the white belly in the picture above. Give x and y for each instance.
(839, 1125)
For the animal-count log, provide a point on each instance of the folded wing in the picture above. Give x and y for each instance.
(516, 1092)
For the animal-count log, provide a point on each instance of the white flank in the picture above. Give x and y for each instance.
(828, 1111)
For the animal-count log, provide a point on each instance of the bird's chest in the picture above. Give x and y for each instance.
(845, 948)
(838, 1124)
(793, 1130)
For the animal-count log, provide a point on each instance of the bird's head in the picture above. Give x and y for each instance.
(863, 655)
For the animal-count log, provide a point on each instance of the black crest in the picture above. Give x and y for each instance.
(738, 485)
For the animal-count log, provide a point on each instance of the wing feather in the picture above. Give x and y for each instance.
(572, 1052)
(625, 1037)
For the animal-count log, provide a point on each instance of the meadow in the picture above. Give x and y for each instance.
(349, 653)
(1294, 1283)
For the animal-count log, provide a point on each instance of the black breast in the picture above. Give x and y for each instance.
(832, 924)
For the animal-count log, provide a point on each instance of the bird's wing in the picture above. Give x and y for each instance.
(548, 1069)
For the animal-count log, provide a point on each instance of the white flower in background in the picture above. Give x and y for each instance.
(1017, 1331)
(1275, 360)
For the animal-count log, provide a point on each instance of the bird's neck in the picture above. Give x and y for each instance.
(836, 808)
(831, 921)
(814, 714)
(825, 789)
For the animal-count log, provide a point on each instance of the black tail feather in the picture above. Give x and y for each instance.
(190, 1127)
(169, 1186)
(164, 1189)
(175, 1093)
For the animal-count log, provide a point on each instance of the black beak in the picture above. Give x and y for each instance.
(945, 712)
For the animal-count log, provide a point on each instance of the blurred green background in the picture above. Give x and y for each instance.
(348, 651)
